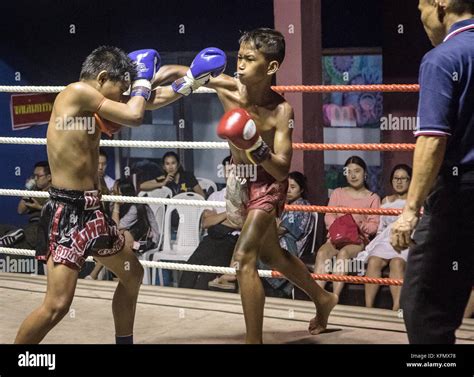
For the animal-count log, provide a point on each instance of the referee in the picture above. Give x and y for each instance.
(440, 266)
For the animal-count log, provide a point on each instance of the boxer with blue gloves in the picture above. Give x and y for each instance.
(147, 63)
(73, 224)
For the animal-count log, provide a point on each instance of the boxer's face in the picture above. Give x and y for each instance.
(355, 175)
(111, 89)
(400, 181)
(114, 89)
(432, 15)
(252, 66)
(294, 191)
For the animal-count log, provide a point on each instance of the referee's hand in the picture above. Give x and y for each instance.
(402, 229)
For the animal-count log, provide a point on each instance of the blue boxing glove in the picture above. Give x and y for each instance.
(147, 63)
(209, 62)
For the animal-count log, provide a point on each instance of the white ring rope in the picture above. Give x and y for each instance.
(122, 199)
(152, 264)
(129, 143)
(57, 89)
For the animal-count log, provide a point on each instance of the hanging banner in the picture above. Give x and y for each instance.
(28, 110)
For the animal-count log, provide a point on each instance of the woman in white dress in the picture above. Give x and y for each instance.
(379, 251)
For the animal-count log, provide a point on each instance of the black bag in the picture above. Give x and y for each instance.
(219, 231)
(142, 231)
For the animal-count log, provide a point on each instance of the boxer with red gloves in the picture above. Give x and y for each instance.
(258, 124)
(73, 224)
(238, 127)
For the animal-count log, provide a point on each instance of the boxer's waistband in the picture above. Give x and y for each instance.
(87, 200)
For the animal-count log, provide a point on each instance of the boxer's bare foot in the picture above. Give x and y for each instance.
(318, 324)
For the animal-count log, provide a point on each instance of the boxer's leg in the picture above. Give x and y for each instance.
(61, 285)
(128, 269)
(295, 270)
(245, 260)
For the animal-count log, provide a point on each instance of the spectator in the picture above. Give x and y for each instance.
(217, 247)
(294, 229)
(25, 237)
(380, 253)
(356, 195)
(138, 219)
(104, 180)
(176, 178)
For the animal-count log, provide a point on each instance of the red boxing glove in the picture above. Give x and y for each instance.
(238, 127)
(106, 126)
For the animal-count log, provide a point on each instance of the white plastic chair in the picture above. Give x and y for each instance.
(159, 212)
(188, 235)
(207, 184)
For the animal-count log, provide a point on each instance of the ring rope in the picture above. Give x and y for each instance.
(232, 271)
(402, 88)
(280, 88)
(386, 147)
(57, 89)
(215, 204)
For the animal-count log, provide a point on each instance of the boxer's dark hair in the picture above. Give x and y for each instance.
(461, 6)
(115, 61)
(301, 180)
(270, 42)
(44, 165)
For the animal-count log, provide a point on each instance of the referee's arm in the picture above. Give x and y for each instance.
(428, 157)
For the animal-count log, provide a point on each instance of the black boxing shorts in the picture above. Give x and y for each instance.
(73, 226)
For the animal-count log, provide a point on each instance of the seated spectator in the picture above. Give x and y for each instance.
(104, 180)
(379, 251)
(176, 178)
(25, 237)
(294, 229)
(356, 195)
(216, 248)
(138, 219)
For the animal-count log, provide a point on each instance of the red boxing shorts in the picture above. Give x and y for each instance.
(266, 193)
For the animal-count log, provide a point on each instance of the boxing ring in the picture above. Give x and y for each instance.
(167, 315)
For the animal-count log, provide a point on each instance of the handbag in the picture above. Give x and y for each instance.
(344, 231)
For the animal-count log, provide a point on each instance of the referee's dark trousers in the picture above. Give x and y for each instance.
(440, 267)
